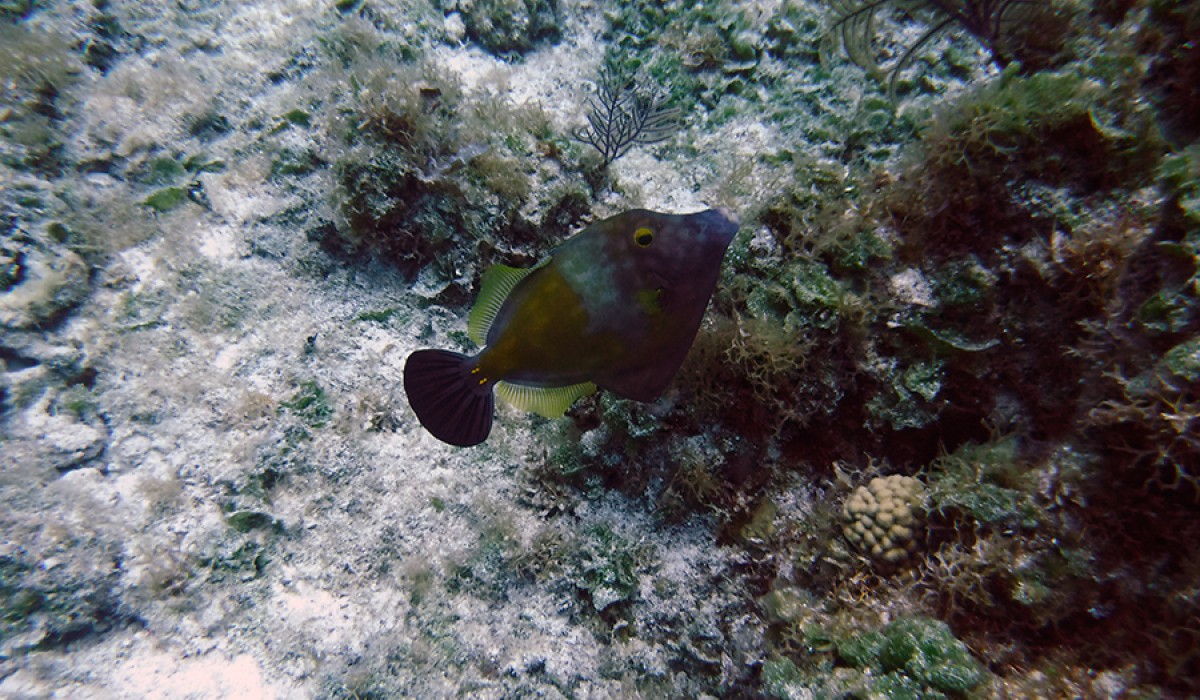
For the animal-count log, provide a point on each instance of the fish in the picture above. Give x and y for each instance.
(616, 306)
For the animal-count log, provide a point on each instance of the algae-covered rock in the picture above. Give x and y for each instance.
(985, 484)
(510, 26)
(782, 679)
(862, 651)
(606, 567)
(914, 656)
(1181, 175)
(1183, 360)
(40, 283)
(928, 651)
(63, 439)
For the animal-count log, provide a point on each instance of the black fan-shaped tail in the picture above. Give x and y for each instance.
(447, 399)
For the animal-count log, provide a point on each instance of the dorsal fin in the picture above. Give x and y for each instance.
(494, 287)
(550, 402)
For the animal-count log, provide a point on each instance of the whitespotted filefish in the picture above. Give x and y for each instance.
(617, 306)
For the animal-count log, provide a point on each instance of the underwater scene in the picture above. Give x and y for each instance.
(793, 349)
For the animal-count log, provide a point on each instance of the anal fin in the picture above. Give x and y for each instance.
(550, 402)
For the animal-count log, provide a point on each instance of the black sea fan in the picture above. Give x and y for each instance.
(990, 21)
(624, 113)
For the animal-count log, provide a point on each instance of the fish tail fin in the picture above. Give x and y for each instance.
(447, 399)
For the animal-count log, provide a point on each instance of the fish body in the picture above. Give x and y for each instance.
(616, 306)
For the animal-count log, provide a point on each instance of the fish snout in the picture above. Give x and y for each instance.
(728, 216)
(722, 224)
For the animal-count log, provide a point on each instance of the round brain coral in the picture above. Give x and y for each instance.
(884, 518)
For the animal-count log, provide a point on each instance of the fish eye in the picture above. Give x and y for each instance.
(643, 237)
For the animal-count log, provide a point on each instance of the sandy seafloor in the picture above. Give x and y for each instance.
(186, 529)
(126, 504)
